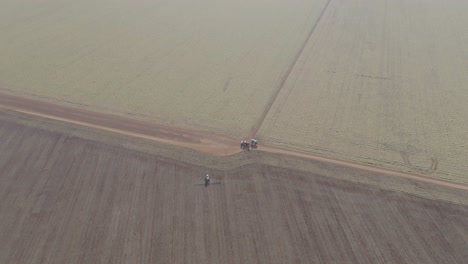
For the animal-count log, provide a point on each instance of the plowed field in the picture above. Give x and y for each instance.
(67, 199)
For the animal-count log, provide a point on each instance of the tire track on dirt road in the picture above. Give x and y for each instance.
(211, 143)
(205, 142)
(275, 94)
(364, 167)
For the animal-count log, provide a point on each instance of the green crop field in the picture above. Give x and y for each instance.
(381, 82)
(210, 65)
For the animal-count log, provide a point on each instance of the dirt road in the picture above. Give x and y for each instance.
(201, 141)
(198, 140)
(66, 199)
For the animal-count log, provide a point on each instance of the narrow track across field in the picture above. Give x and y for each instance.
(278, 89)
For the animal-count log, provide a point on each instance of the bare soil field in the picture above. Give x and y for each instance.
(70, 199)
(383, 83)
(206, 64)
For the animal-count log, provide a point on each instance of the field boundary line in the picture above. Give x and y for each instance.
(214, 144)
(197, 140)
(275, 94)
(363, 167)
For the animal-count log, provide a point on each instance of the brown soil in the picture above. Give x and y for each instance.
(197, 140)
(201, 141)
(65, 199)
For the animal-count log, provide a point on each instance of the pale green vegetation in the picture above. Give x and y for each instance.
(208, 64)
(381, 82)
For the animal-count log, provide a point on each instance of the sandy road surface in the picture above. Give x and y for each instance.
(365, 167)
(197, 140)
(205, 142)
